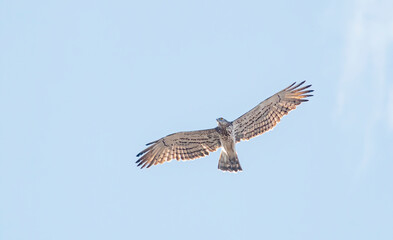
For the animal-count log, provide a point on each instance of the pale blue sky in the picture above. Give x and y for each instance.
(85, 84)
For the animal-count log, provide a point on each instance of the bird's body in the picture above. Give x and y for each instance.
(228, 158)
(196, 144)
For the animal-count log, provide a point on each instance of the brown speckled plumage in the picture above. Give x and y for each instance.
(196, 144)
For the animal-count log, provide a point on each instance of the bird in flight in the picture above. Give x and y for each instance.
(196, 144)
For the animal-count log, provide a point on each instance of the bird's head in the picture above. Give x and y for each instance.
(222, 122)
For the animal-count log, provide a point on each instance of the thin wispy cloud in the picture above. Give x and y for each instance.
(390, 107)
(364, 82)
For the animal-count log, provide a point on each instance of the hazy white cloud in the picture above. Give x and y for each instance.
(364, 77)
(390, 107)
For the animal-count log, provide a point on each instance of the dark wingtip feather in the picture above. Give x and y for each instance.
(294, 87)
(302, 88)
(290, 86)
(150, 164)
(144, 165)
(144, 151)
(147, 144)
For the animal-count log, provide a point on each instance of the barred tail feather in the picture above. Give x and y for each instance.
(229, 163)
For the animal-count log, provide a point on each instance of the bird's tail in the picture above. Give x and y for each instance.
(229, 163)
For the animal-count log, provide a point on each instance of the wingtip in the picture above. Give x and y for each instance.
(290, 86)
(296, 86)
(139, 164)
(147, 144)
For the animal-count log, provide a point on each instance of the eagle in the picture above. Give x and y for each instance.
(196, 144)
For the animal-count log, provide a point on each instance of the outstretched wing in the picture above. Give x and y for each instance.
(268, 113)
(181, 145)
